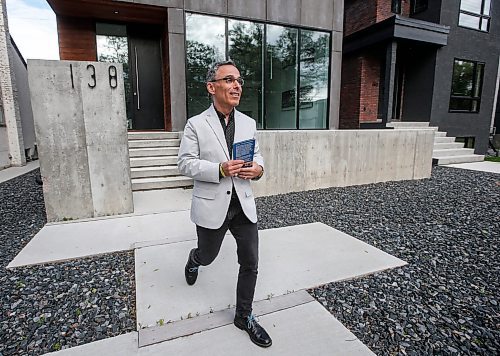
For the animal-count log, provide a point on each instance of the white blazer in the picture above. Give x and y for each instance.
(203, 147)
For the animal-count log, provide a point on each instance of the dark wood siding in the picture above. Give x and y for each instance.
(77, 39)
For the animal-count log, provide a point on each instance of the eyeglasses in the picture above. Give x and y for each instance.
(230, 80)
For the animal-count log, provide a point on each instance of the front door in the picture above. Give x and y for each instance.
(146, 78)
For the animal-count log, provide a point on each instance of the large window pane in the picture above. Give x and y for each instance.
(466, 86)
(314, 65)
(246, 50)
(471, 5)
(112, 47)
(205, 45)
(281, 77)
(466, 20)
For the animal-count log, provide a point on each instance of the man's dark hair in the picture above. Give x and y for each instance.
(213, 69)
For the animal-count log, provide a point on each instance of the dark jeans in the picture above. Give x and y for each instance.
(247, 241)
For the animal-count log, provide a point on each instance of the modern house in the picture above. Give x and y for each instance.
(422, 61)
(288, 51)
(166, 47)
(17, 133)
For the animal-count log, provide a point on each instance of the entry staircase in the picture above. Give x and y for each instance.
(445, 150)
(153, 161)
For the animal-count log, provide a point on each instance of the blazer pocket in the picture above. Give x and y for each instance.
(204, 193)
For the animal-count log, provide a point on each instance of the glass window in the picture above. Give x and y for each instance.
(112, 47)
(247, 50)
(475, 14)
(205, 45)
(268, 59)
(466, 86)
(281, 77)
(313, 94)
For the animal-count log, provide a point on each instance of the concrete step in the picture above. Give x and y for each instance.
(153, 161)
(407, 124)
(149, 172)
(154, 143)
(159, 135)
(452, 152)
(460, 159)
(161, 183)
(440, 134)
(151, 152)
(449, 145)
(444, 139)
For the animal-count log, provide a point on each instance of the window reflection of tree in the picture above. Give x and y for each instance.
(313, 66)
(114, 49)
(199, 58)
(246, 50)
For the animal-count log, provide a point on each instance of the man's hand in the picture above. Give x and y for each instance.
(232, 168)
(250, 172)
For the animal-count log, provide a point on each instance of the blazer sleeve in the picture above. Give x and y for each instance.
(189, 162)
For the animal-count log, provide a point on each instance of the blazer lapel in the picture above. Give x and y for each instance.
(214, 122)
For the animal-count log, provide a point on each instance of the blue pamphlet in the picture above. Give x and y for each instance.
(244, 150)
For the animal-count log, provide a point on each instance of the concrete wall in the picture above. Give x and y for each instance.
(310, 160)
(23, 97)
(4, 148)
(9, 92)
(82, 139)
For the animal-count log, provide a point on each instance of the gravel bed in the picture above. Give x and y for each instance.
(54, 306)
(446, 300)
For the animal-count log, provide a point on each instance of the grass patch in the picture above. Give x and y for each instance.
(492, 159)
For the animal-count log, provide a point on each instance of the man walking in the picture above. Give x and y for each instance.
(222, 195)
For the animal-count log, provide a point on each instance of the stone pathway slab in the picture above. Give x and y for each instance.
(305, 329)
(13, 172)
(59, 242)
(486, 166)
(291, 259)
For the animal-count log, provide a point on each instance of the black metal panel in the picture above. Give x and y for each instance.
(397, 28)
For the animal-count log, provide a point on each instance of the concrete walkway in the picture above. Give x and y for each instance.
(13, 172)
(486, 166)
(291, 259)
(298, 324)
(174, 318)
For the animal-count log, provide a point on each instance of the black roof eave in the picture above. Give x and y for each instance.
(397, 28)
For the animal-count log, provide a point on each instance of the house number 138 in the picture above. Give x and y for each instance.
(112, 74)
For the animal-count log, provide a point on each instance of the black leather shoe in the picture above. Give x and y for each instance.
(257, 334)
(191, 269)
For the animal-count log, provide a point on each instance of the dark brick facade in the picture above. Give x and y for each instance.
(350, 93)
(370, 83)
(360, 96)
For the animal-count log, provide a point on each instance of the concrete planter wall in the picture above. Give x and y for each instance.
(80, 123)
(306, 160)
